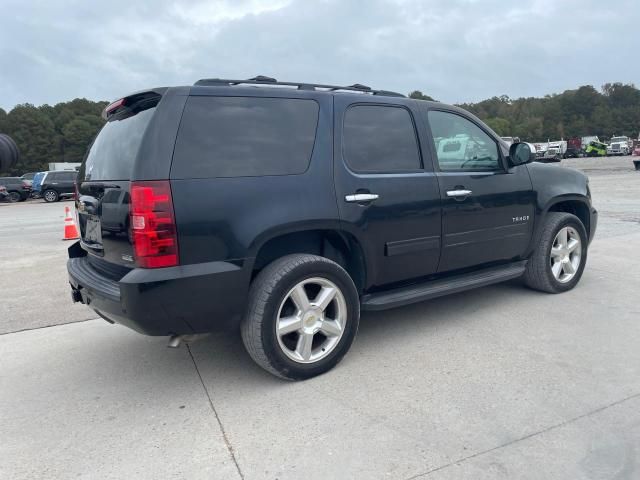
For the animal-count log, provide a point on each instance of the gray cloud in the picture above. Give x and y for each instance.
(458, 50)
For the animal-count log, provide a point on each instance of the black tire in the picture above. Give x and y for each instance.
(14, 197)
(538, 274)
(8, 152)
(269, 289)
(50, 196)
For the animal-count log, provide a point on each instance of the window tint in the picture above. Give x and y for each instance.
(461, 144)
(69, 176)
(380, 139)
(52, 177)
(112, 154)
(245, 136)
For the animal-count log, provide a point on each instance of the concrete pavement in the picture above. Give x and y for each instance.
(500, 382)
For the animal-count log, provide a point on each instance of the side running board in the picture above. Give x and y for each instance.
(437, 288)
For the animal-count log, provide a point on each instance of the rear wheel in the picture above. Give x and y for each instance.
(14, 197)
(302, 316)
(558, 261)
(50, 196)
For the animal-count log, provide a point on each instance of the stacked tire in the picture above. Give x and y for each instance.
(8, 152)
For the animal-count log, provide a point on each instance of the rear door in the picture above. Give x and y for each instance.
(66, 182)
(487, 207)
(386, 192)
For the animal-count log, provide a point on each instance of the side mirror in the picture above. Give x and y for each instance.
(521, 153)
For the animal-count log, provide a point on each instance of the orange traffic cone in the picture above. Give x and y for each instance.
(70, 229)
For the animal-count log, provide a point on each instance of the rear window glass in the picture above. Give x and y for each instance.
(380, 139)
(113, 152)
(244, 136)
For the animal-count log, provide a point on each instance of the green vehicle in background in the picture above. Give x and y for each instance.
(596, 149)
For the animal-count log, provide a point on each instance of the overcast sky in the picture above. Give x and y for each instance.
(453, 50)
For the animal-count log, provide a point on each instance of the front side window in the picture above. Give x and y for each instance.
(379, 139)
(461, 144)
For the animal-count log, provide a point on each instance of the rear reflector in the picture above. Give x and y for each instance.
(155, 242)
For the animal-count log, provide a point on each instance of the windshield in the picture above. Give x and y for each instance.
(37, 180)
(619, 139)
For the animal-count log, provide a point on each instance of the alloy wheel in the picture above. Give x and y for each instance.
(311, 320)
(566, 254)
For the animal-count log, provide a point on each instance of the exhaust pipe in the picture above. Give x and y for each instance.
(176, 340)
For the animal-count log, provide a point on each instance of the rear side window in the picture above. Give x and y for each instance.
(381, 139)
(244, 137)
(113, 152)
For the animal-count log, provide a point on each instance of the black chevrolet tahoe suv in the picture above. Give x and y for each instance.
(284, 209)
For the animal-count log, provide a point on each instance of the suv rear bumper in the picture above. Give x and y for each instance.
(195, 298)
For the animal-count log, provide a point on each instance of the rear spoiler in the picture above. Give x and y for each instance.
(130, 100)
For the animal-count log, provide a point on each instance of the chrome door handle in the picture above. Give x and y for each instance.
(459, 193)
(361, 197)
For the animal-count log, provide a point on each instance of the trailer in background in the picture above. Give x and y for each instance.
(574, 148)
(69, 166)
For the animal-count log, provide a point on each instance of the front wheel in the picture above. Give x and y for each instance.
(560, 257)
(302, 316)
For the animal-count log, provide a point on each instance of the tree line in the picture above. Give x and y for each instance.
(61, 133)
(613, 111)
(44, 134)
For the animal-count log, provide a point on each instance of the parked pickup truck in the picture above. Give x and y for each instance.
(285, 212)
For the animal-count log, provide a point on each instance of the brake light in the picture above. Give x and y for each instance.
(112, 107)
(153, 228)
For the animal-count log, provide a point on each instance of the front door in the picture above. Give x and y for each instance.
(487, 207)
(386, 197)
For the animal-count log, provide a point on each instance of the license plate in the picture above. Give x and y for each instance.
(93, 230)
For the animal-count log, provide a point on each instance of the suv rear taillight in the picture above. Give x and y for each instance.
(153, 226)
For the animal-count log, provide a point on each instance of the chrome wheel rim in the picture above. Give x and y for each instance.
(51, 196)
(311, 320)
(566, 254)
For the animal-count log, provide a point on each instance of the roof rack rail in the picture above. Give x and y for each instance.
(263, 80)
